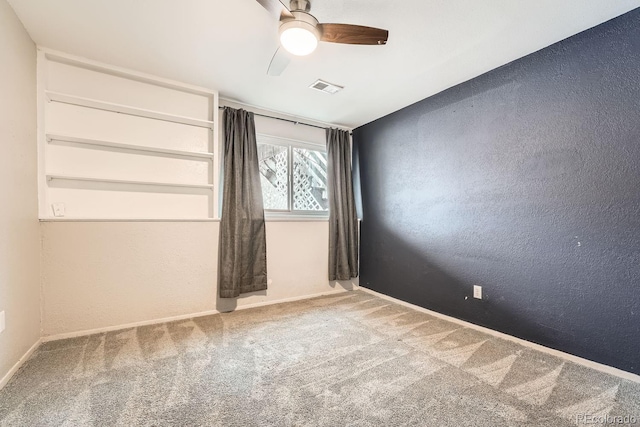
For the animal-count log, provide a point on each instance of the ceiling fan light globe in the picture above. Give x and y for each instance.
(299, 38)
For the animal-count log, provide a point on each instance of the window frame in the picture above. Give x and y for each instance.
(290, 144)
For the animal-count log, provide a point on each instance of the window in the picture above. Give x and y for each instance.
(293, 176)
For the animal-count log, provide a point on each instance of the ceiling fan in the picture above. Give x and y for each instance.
(300, 32)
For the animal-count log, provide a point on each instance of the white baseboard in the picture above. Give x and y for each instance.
(180, 317)
(570, 357)
(85, 332)
(19, 364)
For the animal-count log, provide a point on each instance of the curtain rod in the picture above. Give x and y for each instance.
(284, 120)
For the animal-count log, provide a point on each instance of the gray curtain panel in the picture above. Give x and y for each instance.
(243, 247)
(343, 224)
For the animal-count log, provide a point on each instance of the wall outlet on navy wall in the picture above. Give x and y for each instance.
(477, 292)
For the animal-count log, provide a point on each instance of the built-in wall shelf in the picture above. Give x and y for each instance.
(125, 109)
(74, 61)
(127, 182)
(132, 147)
(117, 144)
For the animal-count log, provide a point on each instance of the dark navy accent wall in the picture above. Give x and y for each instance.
(526, 181)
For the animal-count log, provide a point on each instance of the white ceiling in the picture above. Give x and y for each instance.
(227, 45)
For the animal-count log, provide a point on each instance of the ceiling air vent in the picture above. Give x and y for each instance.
(326, 87)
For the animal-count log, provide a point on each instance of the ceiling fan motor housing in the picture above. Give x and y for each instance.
(301, 20)
(301, 5)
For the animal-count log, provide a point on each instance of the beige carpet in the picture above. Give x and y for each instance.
(344, 360)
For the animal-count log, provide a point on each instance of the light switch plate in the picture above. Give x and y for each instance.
(2, 322)
(58, 209)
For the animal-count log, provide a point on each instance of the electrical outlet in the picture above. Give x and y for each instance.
(477, 291)
(2, 323)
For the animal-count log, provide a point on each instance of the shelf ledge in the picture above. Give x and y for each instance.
(132, 147)
(125, 182)
(72, 219)
(125, 109)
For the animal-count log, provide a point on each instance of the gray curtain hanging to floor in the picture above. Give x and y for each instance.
(243, 247)
(343, 225)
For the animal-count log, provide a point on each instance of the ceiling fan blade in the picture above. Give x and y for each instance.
(276, 8)
(353, 34)
(279, 62)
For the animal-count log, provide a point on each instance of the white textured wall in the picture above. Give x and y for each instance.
(103, 274)
(99, 274)
(19, 231)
